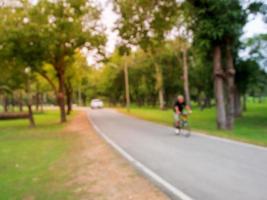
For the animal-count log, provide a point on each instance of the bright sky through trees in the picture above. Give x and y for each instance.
(254, 26)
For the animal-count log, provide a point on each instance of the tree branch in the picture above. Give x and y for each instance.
(44, 75)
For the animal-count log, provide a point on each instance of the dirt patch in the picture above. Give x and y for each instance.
(98, 172)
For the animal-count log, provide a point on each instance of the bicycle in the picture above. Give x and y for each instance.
(184, 126)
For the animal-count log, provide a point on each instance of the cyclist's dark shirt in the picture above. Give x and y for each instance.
(180, 106)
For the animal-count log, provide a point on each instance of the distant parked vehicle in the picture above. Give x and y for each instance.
(97, 103)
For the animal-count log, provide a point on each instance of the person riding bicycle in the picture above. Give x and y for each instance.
(179, 108)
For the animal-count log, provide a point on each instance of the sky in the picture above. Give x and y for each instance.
(255, 26)
(108, 19)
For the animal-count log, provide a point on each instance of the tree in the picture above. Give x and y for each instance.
(29, 95)
(63, 18)
(144, 24)
(126, 80)
(52, 33)
(219, 35)
(42, 88)
(248, 76)
(11, 83)
(10, 45)
(76, 72)
(257, 48)
(181, 46)
(110, 77)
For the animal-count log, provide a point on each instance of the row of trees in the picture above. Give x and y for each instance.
(207, 38)
(215, 28)
(189, 47)
(45, 39)
(108, 81)
(29, 88)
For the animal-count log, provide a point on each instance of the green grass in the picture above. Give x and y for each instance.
(251, 128)
(28, 158)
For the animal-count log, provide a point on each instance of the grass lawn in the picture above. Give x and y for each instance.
(251, 128)
(28, 158)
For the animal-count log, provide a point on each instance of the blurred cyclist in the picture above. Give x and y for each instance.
(179, 108)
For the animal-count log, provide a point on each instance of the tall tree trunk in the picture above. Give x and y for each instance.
(185, 76)
(5, 102)
(61, 94)
(37, 98)
(230, 80)
(31, 118)
(127, 92)
(69, 100)
(219, 88)
(161, 99)
(59, 66)
(159, 86)
(29, 103)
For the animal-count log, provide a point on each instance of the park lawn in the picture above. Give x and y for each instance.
(251, 128)
(28, 158)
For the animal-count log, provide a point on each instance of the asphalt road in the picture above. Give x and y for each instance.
(204, 168)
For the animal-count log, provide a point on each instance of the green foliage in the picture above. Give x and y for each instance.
(145, 22)
(252, 75)
(248, 75)
(49, 32)
(214, 21)
(108, 81)
(258, 48)
(201, 79)
(65, 26)
(256, 7)
(77, 71)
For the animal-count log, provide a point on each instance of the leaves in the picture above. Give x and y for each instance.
(145, 23)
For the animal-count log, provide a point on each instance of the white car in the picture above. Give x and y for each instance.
(97, 103)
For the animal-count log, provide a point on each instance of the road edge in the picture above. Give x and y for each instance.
(199, 133)
(169, 188)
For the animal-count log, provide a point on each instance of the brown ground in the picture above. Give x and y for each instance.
(98, 172)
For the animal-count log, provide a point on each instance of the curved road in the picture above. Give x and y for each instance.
(202, 167)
